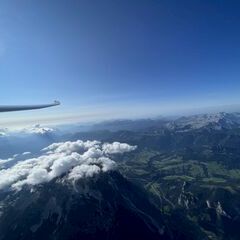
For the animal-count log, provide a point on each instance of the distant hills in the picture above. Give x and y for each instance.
(214, 120)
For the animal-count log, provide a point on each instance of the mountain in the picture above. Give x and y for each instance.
(17, 142)
(106, 206)
(181, 182)
(219, 120)
(215, 121)
(128, 125)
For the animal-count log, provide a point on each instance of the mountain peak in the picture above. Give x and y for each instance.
(216, 121)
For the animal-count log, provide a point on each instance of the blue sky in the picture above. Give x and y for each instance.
(117, 58)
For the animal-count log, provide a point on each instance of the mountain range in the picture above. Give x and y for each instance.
(181, 182)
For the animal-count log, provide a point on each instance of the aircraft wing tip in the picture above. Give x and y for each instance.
(56, 102)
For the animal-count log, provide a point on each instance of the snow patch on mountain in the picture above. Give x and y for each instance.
(216, 121)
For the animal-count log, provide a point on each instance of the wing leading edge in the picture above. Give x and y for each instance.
(27, 107)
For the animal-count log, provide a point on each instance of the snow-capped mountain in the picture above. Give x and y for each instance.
(216, 121)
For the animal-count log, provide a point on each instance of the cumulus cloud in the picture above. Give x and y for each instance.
(73, 160)
(117, 147)
(35, 129)
(84, 170)
(38, 129)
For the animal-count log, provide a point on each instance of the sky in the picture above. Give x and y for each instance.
(117, 58)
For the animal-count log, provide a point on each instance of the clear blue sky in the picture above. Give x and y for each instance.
(118, 56)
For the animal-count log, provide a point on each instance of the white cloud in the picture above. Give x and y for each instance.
(72, 159)
(68, 147)
(26, 153)
(16, 157)
(83, 171)
(3, 132)
(4, 161)
(38, 129)
(35, 129)
(116, 147)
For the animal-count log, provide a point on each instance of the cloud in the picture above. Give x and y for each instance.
(3, 132)
(116, 147)
(26, 153)
(38, 129)
(73, 160)
(32, 130)
(5, 163)
(84, 171)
